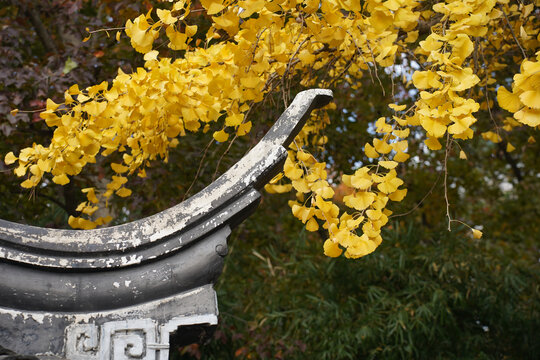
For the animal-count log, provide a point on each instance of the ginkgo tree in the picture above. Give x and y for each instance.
(468, 69)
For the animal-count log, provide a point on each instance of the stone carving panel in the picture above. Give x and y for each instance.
(82, 342)
(128, 339)
(135, 339)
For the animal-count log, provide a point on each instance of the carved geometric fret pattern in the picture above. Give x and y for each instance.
(127, 339)
(82, 342)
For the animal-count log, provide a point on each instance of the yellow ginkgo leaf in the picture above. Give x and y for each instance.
(221, 136)
(123, 192)
(508, 100)
(20, 170)
(374, 214)
(382, 126)
(303, 156)
(462, 47)
(477, 234)
(400, 145)
(166, 17)
(491, 136)
(433, 126)
(301, 185)
(528, 116)
(531, 98)
(432, 143)
(27, 184)
(463, 79)
(381, 146)
(244, 128)
(312, 225)
(398, 195)
(389, 185)
(401, 156)
(177, 39)
(370, 151)
(282, 188)
(388, 164)
(61, 179)
(359, 201)
(119, 168)
(311, 6)
(331, 248)
(152, 55)
(426, 80)
(510, 147)
(91, 195)
(325, 206)
(250, 82)
(44, 165)
(360, 182)
(51, 105)
(276, 178)
(228, 22)
(212, 6)
(10, 158)
(191, 30)
(291, 170)
(397, 107)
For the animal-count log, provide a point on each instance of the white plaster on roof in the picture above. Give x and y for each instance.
(85, 317)
(169, 221)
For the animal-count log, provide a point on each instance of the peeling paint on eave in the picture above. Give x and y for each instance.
(78, 318)
(262, 157)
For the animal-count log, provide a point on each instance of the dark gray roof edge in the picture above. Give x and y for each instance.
(251, 172)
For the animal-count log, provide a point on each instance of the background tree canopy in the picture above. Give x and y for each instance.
(201, 82)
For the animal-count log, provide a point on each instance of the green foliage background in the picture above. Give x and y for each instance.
(424, 294)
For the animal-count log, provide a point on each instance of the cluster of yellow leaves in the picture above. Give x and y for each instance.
(441, 108)
(524, 100)
(371, 188)
(142, 113)
(255, 47)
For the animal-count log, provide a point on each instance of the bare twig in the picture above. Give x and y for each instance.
(448, 146)
(487, 94)
(288, 69)
(408, 51)
(255, 46)
(374, 63)
(223, 155)
(231, 142)
(35, 20)
(107, 30)
(421, 201)
(198, 169)
(512, 32)
(362, 55)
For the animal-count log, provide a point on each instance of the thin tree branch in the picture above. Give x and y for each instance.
(41, 31)
(512, 32)
(510, 160)
(421, 201)
(448, 146)
(198, 169)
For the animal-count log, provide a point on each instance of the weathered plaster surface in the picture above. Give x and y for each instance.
(245, 173)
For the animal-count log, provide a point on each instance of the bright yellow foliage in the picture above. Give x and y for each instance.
(252, 48)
